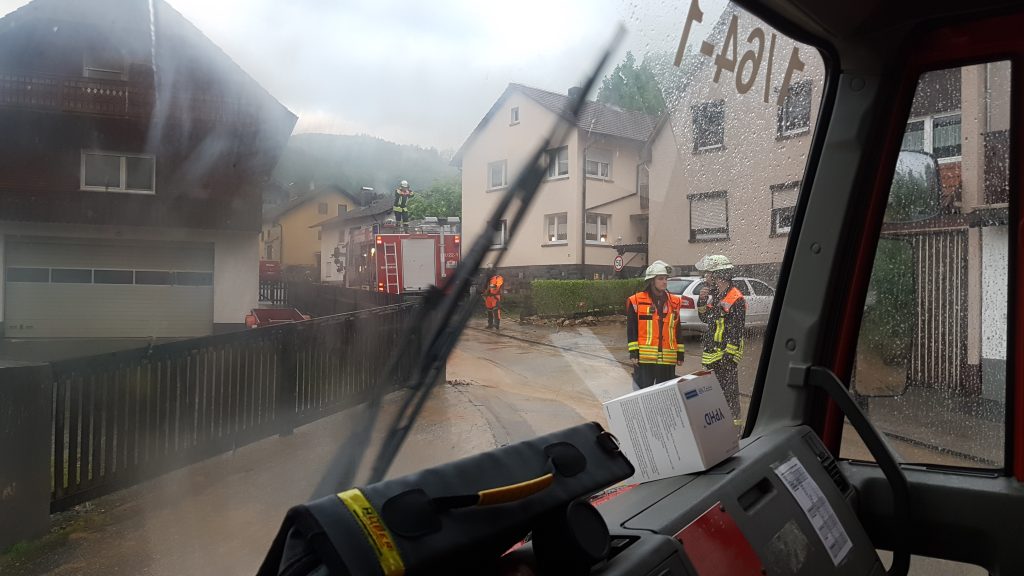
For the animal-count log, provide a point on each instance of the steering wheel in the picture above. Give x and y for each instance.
(825, 379)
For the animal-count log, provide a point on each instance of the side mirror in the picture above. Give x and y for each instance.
(916, 190)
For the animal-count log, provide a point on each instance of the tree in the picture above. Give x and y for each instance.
(633, 87)
(442, 199)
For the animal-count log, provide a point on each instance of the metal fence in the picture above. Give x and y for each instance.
(939, 353)
(123, 417)
(274, 291)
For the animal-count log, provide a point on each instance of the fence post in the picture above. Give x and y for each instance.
(287, 381)
(26, 398)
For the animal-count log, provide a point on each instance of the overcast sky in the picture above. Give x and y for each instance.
(421, 72)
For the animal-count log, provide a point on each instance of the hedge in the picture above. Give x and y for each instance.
(576, 297)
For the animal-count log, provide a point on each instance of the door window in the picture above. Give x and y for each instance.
(931, 356)
(761, 289)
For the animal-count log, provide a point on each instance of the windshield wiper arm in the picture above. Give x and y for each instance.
(443, 306)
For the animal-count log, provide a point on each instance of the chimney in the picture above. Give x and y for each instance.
(574, 92)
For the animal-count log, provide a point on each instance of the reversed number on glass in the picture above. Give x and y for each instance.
(747, 67)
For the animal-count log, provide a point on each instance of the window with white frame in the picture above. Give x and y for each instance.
(599, 163)
(118, 172)
(709, 216)
(708, 125)
(598, 227)
(514, 115)
(497, 174)
(938, 135)
(556, 228)
(558, 162)
(500, 238)
(795, 112)
(783, 207)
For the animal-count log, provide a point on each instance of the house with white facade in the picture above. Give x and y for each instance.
(594, 195)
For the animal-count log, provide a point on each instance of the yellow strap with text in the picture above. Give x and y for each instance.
(376, 532)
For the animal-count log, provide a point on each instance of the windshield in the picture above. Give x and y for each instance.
(218, 222)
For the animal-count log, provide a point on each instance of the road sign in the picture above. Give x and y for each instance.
(617, 263)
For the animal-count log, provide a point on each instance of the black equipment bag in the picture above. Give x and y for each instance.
(455, 518)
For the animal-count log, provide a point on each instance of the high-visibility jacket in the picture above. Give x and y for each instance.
(655, 334)
(725, 319)
(492, 293)
(402, 199)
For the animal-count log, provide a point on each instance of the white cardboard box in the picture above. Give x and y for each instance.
(673, 428)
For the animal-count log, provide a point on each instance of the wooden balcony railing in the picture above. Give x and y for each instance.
(118, 98)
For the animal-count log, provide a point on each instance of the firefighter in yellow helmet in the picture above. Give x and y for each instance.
(653, 332)
(722, 307)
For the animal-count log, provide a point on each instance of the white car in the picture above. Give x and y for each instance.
(759, 297)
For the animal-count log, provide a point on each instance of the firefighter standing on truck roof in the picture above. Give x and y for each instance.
(723, 308)
(653, 332)
(492, 301)
(401, 206)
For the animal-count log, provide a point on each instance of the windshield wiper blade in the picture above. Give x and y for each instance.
(450, 311)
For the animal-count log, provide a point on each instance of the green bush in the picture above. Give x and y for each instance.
(578, 297)
(890, 314)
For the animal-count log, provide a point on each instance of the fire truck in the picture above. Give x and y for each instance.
(388, 258)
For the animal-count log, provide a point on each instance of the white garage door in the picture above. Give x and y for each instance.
(59, 288)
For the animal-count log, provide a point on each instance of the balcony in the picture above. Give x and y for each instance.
(115, 98)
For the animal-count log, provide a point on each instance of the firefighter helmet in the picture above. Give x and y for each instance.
(714, 263)
(657, 268)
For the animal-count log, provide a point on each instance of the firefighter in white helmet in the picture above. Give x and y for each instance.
(722, 307)
(401, 205)
(653, 333)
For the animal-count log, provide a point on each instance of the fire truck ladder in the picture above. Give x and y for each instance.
(391, 267)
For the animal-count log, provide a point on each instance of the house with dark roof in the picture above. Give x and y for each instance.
(132, 164)
(288, 235)
(340, 257)
(593, 197)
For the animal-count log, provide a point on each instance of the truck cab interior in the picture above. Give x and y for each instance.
(816, 488)
(875, 55)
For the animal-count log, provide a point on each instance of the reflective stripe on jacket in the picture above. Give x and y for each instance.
(655, 334)
(725, 319)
